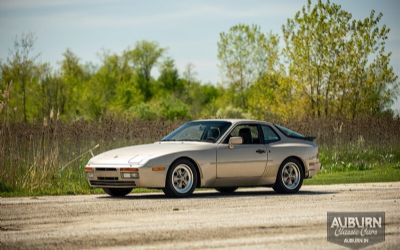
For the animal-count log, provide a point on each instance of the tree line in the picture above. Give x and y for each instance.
(324, 64)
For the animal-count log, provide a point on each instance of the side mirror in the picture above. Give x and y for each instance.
(235, 141)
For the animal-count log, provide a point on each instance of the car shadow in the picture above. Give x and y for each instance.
(212, 194)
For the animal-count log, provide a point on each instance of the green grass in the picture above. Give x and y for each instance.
(384, 174)
(351, 163)
(354, 163)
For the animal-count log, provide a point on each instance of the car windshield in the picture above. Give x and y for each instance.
(289, 132)
(205, 131)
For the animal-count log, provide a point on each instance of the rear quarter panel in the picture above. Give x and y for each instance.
(278, 152)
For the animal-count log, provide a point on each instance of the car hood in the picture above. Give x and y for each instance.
(140, 154)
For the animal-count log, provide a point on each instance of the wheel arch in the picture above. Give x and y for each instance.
(198, 173)
(299, 160)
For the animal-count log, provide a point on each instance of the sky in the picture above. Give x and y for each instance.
(189, 29)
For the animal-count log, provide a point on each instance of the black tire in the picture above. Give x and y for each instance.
(226, 190)
(284, 188)
(171, 189)
(117, 192)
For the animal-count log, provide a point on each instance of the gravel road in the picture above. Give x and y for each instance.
(251, 218)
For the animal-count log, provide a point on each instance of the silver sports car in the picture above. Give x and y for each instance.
(221, 154)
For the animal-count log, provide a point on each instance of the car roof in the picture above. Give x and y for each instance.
(235, 121)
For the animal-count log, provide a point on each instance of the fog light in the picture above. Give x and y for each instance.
(90, 175)
(130, 175)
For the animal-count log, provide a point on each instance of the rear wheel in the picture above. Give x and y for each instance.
(290, 177)
(117, 192)
(226, 190)
(181, 179)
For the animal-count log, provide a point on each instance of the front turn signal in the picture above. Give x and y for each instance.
(158, 168)
(88, 169)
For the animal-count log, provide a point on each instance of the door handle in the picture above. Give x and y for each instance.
(260, 151)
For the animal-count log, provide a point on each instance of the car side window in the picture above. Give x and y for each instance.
(269, 134)
(248, 132)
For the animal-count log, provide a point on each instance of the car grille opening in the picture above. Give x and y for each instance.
(106, 169)
(109, 183)
(108, 178)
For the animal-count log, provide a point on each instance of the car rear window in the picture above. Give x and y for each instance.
(289, 132)
(269, 134)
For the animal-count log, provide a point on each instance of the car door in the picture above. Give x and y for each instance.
(271, 141)
(246, 160)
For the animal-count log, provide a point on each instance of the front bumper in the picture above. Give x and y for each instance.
(108, 177)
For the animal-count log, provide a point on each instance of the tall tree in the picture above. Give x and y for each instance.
(127, 93)
(330, 55)
(74, 77)
(272, 95)
(51, 96)
(145, 56)
(244, 55)
(169, 77)
(19, 75)
(189, 74)
(373, 82)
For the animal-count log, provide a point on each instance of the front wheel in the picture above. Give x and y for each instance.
(290, 177)
(117, 192)
(181, 179)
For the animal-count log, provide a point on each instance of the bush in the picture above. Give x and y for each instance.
(173, 109)
(144, 111)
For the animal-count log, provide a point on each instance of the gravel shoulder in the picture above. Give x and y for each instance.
(251, 218)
